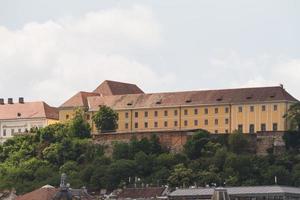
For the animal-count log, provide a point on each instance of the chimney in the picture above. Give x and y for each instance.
(21, 99)
(10, 101)
(1, 101)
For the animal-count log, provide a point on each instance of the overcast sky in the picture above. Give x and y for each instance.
(49, 50)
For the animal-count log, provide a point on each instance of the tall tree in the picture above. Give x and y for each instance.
(293, 115)
(78, 127)
(106, 119)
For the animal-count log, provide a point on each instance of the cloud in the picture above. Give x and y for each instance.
(257, 71)
(52, 60)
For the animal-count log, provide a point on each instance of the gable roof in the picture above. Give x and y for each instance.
(78, 100)
(135, 193)
(204, 97)
(28, 110)
(39, 194)
(108, 87)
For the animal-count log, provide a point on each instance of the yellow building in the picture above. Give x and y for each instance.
(249, 110)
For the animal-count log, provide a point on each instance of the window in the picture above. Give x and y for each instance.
(251, 128)
(275, 107)
(175, 123)
(251, 108)
(206, 111)
(240, 109)
(185, 122)
(226, 110)
(67, 116)
(196, 111)
(185, 112)
(126, 115)
(175, 112)
(226, 121)
(126, 125)
(263, 108)
(216, 131)
(146, 114)
(19, 130)
(155, 124)
(263, 127)
(275, 127)
(216, 121)
(216, 110)
(206, 122)
(166, 123)
(136, 125)
(146, 124)
(240, 128)
(88, 117)
(12, 131)
(226, 130)
(195, 122)
(166, 113)
(155, 113)
(4, 132)
(136, 114)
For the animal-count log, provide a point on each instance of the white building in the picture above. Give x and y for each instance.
(19, 118)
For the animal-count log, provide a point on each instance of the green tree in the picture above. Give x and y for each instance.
(180, 176)
(238, 143)
(194, 146)
(106, 119)
(293, 115)
(78, 126)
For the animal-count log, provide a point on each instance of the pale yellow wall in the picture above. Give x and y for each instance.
(51, 121)
(257, 117)
(63, 114)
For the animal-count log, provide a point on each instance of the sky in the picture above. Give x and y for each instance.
(49, 50)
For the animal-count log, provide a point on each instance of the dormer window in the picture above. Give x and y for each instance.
(272, 95)
(219, 99)
(249, 97)
(129, 104)
(158, 102)
(188, 101)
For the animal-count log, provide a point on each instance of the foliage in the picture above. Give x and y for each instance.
(31, 161)
(106, 119)
(78, 126)
(293, 115)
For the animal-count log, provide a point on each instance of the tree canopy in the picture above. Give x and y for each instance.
(106, 119)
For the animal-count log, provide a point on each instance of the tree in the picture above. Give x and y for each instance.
(78, 126)
(238, 143)
(181, 176)
(293, 115)
(195, 145)
(106, 119)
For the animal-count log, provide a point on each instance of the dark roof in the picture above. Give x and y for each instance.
(78, 100)
(108, 87)
(211, 97)
(39, 194)
(135, 193)
(245, 190)
(28, 110)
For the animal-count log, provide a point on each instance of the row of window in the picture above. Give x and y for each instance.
(196, 111)
(185, 123)
(166, 113)
(263, 127)
(12, 131)
(263, 108)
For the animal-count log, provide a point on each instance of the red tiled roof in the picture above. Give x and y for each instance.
(108, 87)
(39, 194)
(28, 110)
(78, 100)
(225, 96)
(135, 193)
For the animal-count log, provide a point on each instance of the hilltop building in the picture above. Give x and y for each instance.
(19, 117)
(249, 110)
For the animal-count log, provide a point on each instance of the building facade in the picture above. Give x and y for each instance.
(248, 110)
(18, 118)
